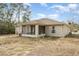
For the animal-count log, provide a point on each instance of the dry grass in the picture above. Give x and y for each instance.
(14, 45)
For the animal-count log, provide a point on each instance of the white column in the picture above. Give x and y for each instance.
(36, 30)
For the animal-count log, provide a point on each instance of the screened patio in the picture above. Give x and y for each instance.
(33, 30)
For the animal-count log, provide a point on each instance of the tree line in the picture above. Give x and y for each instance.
(11, 14)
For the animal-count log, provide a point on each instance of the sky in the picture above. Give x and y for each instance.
(57, 11)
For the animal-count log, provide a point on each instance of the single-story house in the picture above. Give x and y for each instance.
(42, 27)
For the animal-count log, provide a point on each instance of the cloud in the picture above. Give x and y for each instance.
(67, 8)
(43, 4)
(38, 15)
(27, 4)
(63, 8)
(73, 6)
(59, 7)
(41, 15)
(53, 16)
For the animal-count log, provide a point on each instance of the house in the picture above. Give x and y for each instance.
(42, 27)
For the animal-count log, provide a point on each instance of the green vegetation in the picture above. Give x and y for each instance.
(10, 15)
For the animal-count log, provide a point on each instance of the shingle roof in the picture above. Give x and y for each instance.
(43, 21)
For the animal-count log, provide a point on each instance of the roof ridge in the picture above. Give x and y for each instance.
(46, 21)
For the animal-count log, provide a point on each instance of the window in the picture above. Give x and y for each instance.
(53, 29)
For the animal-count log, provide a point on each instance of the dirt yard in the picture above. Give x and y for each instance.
(13, 45)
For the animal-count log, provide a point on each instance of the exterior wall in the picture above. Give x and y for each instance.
(27, 29)
(65, 30)
(18, 30)
(24, 30)
(59, 31)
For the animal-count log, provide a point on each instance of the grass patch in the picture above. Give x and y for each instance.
(73, 36)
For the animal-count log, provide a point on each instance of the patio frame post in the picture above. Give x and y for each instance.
(36, 30)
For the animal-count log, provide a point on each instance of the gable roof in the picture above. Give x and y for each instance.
(43, 21)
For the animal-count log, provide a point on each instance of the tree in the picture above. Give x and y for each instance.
(73, 26)
(7, 11)
(22, 10)
(26, 14)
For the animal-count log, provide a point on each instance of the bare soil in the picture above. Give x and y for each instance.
(13, 45)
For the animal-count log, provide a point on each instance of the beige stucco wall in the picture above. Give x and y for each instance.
(59, 31)
(18, 30)
(26, 29)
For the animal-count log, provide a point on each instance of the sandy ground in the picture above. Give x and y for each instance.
(13, 45)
